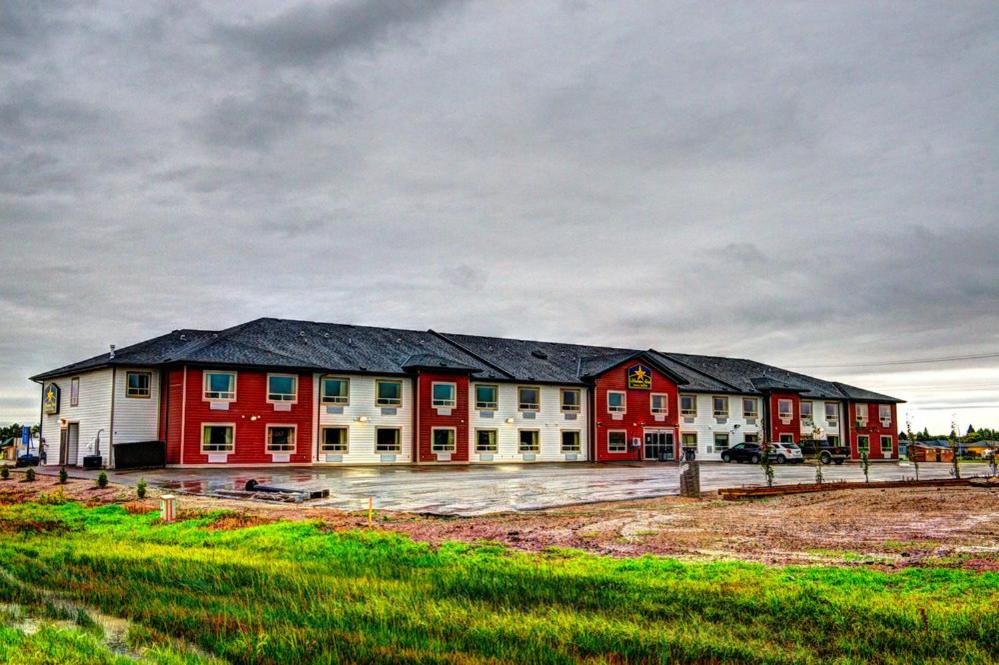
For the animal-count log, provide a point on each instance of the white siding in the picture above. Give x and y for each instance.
(136, 419)
(93, 414)
(705, 425)
(549, 421)
(819, 420)
(361, 435)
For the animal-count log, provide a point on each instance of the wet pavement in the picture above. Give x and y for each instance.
(481, 489)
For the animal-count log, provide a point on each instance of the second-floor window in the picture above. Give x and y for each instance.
(486, 397)
(688, 405)
(74, 391)
(659, 403)
(282, 388)
(443, 395)
(884, 414)
(750, 408)
(862, 414)
(388, 393)
(832, 412)
(785, 409)
(570, 400)
(335, 391)
(137, 384)
(220, 386)
(615, 401)
(806, 411)
(528, 398)
(720, 406)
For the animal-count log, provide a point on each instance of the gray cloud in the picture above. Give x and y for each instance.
(804, 187)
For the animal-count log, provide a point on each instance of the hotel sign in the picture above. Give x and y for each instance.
(639, 377)
(51, 403)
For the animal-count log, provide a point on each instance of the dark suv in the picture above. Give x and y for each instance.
(742, 452)
(823, 451)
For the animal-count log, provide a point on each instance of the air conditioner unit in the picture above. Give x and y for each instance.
(636, 442)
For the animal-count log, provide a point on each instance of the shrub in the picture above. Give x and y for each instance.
(63, 476)
(140, 488)
(102, 480)
(29, 475)
(818, 474)
(4, 472)
(54, 498)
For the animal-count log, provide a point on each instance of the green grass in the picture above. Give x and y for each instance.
(292, 593)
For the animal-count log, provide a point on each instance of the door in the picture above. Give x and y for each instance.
(63, 446)
(72, 444)
(659, 446)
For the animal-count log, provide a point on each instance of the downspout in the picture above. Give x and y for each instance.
(114, 381)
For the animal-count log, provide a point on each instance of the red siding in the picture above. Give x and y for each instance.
(638, 415)
(428, 417)
(172, 424)
(874, 429)
(776, 426)
(250, 413)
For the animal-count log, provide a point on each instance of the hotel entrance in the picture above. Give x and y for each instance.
(659, 446)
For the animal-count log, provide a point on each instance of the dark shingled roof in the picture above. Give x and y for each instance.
(334, 347)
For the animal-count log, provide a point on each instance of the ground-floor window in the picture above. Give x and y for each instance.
(280, 438)
(617, 441)
(217, 438)
(485, 440)
(751, 438)
(334, 440)
(387, 440)
(689, 440)
(886, 445)
(570, 441)
(786, 438)
(721, 441)
(529, 441)
(863, 443)
(833, 439)
(443, 439)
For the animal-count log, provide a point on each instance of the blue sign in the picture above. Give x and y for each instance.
(25, 434)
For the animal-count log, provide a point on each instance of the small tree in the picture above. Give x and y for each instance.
(865, 465)
(4, 472)
(140, 488)
(912, 457)
(102, 480)
(818, 474)
(63, 476)
(954, 448)
(765, 461)
(29, 475)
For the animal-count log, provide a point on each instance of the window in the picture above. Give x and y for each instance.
(659, 404)
(282, 388)
(806, 410)
(74, 391)
(688, 439)
(442, 395)
(220, 386)
(335, 391)
(280, 438)
(785, 409)
(615, 401)
(884, 414)
(217, 438)
(886, 445)
(387, 440)
(688, 405)
(750, 408)
(863, 443)
(617, 441)
(137, 384)
(334, 440)
(786, 438)
(833, 439)
(529, 441)
(570, 400)
(721, 441)
(388, 393)
(486, 397)
(832, 412)
(719, 406)
(570, 441)
(861, 415)
(485, 440)
(751, 438)
(442, 439)
(528, 398)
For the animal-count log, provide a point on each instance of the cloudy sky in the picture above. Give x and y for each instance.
(810, 184)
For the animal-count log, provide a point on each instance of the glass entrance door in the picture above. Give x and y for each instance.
(659, 446)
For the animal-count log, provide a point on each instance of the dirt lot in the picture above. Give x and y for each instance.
(956, 526)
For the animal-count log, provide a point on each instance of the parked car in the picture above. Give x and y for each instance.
(823, 451)
(743, 452)
(786, 453)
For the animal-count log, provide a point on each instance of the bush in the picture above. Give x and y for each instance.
(140, 488)
(29, 475)
(4, 472)
(63, 476)
(102, 480)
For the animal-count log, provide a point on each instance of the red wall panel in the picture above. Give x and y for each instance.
(776, 426)
(638, 415)
(875, 430)
(428, 417)
(170, 421)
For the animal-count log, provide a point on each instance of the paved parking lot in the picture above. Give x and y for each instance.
(480, 489)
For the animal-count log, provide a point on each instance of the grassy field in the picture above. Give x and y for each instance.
(294, 593)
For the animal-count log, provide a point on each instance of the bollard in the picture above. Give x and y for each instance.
(167, 511)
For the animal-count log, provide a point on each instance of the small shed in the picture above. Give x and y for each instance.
(980, 449)
(931, 451)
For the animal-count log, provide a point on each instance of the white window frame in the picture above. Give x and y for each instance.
(521, 404)
(388, 402)
(695, 444)
(444, 403)
(577, 407)
(623, 433)
(755, 413)
(714, 410)
(860, 448)
(485, 406)
(624, 401)
(346, 439)
(885, 421)
(268, 446)
(579, 440)
(333, 400)
(662, 411)
(204, 386)
(751, 437)
(453, 447)
(862, 419)
(74, 391)
(398, 440)
(495, 444)
(149, 384)
(267, 387)
(790, 410)
(811, 410)
(891, 444)
(537, 441)
(727, 438)
(232, 446)
(785, 437)
(833, 439)
(692, 412)
(834, 416)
